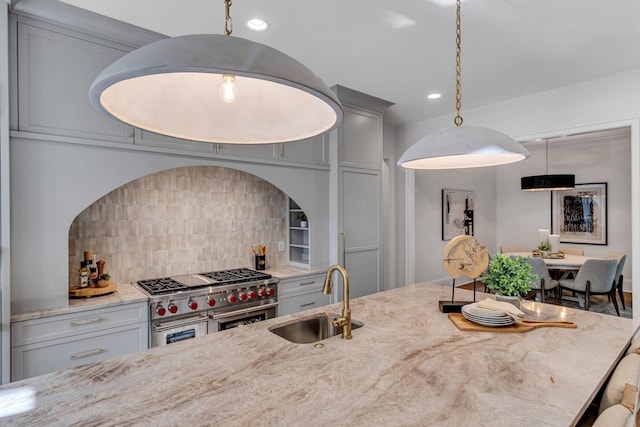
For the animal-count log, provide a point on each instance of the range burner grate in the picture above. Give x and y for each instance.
(239, 275)
(162, 286)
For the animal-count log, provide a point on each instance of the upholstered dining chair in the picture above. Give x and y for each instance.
(544, 283)
(572, 251)
(621, 258)
(595, 277)
(511, 248)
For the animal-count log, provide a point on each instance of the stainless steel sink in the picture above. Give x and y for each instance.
(311, 329)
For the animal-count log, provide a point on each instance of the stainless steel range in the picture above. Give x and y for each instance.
(187, 306)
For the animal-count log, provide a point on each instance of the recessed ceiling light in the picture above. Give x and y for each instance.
(434, 96)
(257, 24)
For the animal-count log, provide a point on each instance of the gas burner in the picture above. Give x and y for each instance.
(239, 275)
(165, 285)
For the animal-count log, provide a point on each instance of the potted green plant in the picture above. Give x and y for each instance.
(103, 280)
(510, 278)
(302, 217)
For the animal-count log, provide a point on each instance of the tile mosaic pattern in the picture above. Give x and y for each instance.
(179, 221)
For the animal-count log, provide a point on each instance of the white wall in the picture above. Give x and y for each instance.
(608, 159)
(605, 103)
(429, 245)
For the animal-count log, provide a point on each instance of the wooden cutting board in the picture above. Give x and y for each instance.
(466, 325)
(92, 292)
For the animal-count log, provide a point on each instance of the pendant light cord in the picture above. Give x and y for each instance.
(546, 162)
(458, 119)
(228, 22)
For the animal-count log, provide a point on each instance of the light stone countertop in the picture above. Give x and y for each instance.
(408, 365)
(125, 294)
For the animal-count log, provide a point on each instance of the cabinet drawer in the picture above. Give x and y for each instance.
(300, 283)
(301, 302)
(37, 359)
(68, 325)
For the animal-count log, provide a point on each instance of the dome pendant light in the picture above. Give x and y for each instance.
(547, 182)
(216, 88)
(462, 146)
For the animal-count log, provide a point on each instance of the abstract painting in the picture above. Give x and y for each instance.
(457, 213)
(579, 215)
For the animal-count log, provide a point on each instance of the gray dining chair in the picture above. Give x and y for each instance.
(544, 283)
(621, 258)
(595, 277)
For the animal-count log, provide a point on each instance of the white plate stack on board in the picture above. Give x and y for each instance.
(486, 317)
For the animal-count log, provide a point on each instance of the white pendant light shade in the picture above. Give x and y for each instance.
(463, 147)
(173, 87)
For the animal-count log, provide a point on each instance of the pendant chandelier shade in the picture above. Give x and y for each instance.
(547, 182)
(462, 146)
(216, 88)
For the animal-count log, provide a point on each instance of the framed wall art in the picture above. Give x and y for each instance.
(579, 215)
(457, 213)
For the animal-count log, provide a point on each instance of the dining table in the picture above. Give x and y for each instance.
(569, 262)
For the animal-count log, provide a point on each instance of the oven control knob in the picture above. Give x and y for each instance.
(262, 292)
(253, 295)
(243, 296)
(193, 305)
(160, 310)
(173, 309)
(271, 291)
(232, 298)
(211, 301)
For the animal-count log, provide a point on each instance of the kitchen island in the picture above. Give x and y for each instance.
(408, 365)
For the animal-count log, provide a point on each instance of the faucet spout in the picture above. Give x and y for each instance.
(345, 320)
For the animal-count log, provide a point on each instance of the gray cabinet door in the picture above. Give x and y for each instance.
(361, 141)
(251, 151)
(55, 71)
(310, 151)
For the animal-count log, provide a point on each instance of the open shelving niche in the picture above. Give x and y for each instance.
(298, 237)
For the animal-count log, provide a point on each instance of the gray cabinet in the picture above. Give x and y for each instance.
(312, 151)
(359, 145)
(55, 71)
(48, 344)
(301, 293)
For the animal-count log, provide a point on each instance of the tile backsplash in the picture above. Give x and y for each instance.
(178, 221)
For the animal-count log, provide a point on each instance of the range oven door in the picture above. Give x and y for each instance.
(223, 321)
(174, 330)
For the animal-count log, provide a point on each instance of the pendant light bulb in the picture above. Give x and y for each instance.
(228, 90)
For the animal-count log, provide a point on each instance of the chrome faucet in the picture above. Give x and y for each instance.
(345, 320)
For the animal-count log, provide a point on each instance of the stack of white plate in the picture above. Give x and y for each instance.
(486, 317)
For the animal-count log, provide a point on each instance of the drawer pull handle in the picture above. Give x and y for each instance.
(310, 282)
(87, 322)
(87, 353)
(307, 304)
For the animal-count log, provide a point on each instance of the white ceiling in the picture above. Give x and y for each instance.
(403, 50)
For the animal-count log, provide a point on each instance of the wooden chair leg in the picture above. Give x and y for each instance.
(542, 291)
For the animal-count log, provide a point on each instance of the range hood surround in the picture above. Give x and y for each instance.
(72, 176)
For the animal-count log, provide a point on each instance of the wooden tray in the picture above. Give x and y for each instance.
(92, 292)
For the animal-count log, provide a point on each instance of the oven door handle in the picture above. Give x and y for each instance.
(243, 311)
(170, 324)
